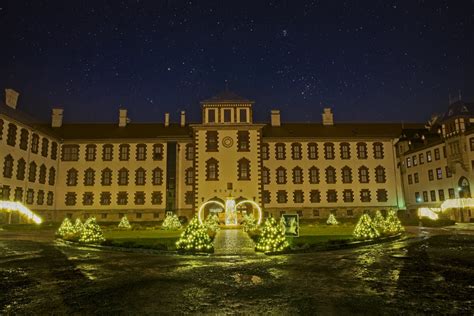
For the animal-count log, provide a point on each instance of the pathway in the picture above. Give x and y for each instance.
(233, 242)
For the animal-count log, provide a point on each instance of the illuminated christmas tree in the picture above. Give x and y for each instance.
(66, 230)
(92, 233)
(195, 238)
(212, 223)
(393, 225)
(78, 227)
(332, 220)
(249, 223)
(272, 238)
(365, 228)
(124, 223)
(379, 222)
(171, 222)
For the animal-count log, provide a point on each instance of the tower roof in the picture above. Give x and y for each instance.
(226, 97)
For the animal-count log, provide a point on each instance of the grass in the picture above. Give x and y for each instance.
(147, 239)
(29, 227)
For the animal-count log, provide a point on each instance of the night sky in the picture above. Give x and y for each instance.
(368, 60)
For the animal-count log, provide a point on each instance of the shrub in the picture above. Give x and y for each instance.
(365, 229)
(124, 223)
(195, 238)
(249, 223)
(272, 238)
(171, 222)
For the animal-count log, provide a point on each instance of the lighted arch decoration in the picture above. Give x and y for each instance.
(201, 208)
(254, 204)
(23, 210)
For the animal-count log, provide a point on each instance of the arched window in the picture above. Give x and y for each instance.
(157, 176)
(32, 172)
(42, 174)
(345, 151)
(330, 175)
(363, 174)
(362, 150)
(346, 175)
(106, 177)
(8, 166)
(281, 175)
(313, 175)
(212, 170)
(380, 174)
(123, 176)
(297, 175)
(20, 169)
(71, 177)
(52, 176)
(140, 175)
(89, 177)
(243, 169)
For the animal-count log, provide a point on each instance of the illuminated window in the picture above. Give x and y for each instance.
(348, 195)
(297, 175)
(123, 177)
(346, 175)
(8, 166)
(380, 174)
(329, 151)
(362, 150)
(439, 173)
(32, 172)
(365, 195)
(140, 175)
(42, 174)
(345, 151)
(243, 169)
(124, 152)
(212, 170)
(69, 152)
(107, 152)
(378, 151)
(280, 151)
(312, 151)
(363, 174)
(141, 152)
(415, 160)
(89, 177)
(91, 152)
(408, 162)
(428, 156)
(330, 175)
(296, 151)
(11, 134)
(315, 197)
(44, 147)
(106, 177)
(157, 176)
(313, 175)
(211, 141)
(281, 175)
(71, 179)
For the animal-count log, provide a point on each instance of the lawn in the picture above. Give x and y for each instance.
(322, 234)
(150, 239)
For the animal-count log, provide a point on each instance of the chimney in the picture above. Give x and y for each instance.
(183, 118)
(11, 98)
(167, 119)
(328, 118)
(57, 117)
(275, 118)
(123, 120)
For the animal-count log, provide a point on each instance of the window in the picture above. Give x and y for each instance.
(24, 139)
(189, 152)
(189, 197)
(280, 151)
(410, 179)
(42, 174)
(89, 177)
(123, 177)
(350, 213)
(382, 195)
(212, 170)
(329, 151)
(8, 166)
(416, 177)
(380, 174)
(156, 198)
(346, 175)
(103, 215)
(433, 195)
(30, 196)
(70, 152)
(439, 173)
(11, 134)
(18, 194)
(54, 150)
(417, 197)
(330, 175)
(297, 175)
(315, 196)
(243, 169)
(71, 179)
(282, 196)
(331, 196)
(50, 198)
(348, 195)
(34, 143)
(313, 175)
(471, 143)
(266, 197)
(124, 152)
(44, 147)
(122, 198)
(105, 198)
(211, 115)
(1, 128)
(345, 151)
(298, 196)
(425, 196)
(378, 151)
(448, 172)
(189, 176)
(88, 198)
(296, 151)
(106, 178)
(5, 193)
(437, 154)
(365, 195)
(415, 160)
(265, 175)
(227, 115)
(243, 115)
(315, 213)
(428, 156)
(421, 158)
(141, 152)
(441, 194)
(362, 150)
(408, 162)
(211, 141)
(32, 172)
(312, 151)
(156, 215)
(363, 174)
(265, 152)
(139, 198)
(158, 152)
(451, 193)
(281, 175)
(243, 141)
(71, 198)
(157, 176)
(140, 175)
(107, 152)
(91, 152)
(430, 175)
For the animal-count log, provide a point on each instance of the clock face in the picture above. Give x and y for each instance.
(227, 141)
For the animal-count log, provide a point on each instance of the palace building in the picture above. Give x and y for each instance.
(144, 170)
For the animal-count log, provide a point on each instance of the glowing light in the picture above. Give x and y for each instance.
(457, 203)
(332, 220)
(124, 223)
(17, 206)
(259, 221)
(230, 212)
(429, 212)
(171, 222)
(365, 228)
(201, 209)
